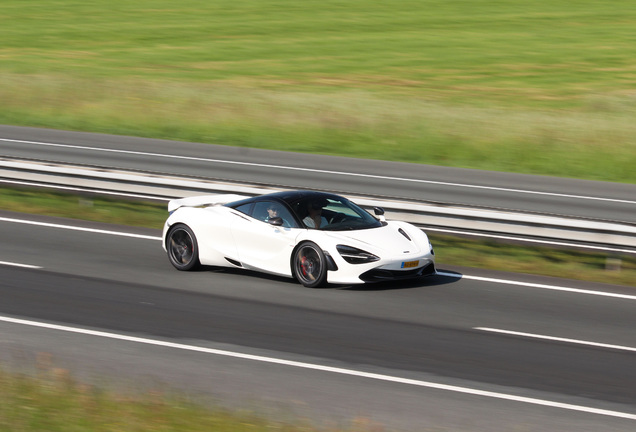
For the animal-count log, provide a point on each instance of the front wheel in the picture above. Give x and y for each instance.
(310, 265)
(182, 246)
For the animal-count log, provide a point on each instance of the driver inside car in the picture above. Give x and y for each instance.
(314, 218)
(274, 211)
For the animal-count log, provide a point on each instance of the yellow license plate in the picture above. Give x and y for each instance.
(410, 264)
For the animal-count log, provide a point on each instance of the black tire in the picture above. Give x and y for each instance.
(182, 246)
(309, 265)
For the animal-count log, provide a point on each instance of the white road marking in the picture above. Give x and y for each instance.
(535, 285)
(329, 369)
(528, 240)
(6, 263)
(282, 167)
(76, 228)
(441, 273)
(558, 339)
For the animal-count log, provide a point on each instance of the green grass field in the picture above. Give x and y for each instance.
(546, 87)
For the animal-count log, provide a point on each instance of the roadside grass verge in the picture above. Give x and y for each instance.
(52, 400)
(619, 269)
(542, 88)
(449, 250)
(84, 207)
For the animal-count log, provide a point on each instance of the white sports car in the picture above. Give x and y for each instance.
(315, 237)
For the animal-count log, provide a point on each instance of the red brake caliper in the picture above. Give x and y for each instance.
(303, 265)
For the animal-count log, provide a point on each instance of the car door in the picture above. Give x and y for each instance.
(262, 245)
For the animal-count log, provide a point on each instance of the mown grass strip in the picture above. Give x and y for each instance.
(450, 250)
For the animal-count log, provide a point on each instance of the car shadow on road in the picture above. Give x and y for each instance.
(244, 272)
(443, 277)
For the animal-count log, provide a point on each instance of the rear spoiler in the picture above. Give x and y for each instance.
(203, 201)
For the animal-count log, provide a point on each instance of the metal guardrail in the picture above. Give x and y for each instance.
(612, 237)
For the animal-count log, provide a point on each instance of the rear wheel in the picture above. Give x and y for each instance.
(310, 265)
(183, 250)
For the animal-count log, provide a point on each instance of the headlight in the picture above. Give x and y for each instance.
(355, 256)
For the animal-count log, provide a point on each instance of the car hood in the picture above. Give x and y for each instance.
(387, 238)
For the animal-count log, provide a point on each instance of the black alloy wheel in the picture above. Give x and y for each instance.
(310, 265)
(183, 250)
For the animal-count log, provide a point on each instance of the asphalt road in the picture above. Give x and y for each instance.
(446, 186)
(410, 356)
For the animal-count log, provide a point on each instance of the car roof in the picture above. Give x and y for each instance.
(287, 197)
(297, 195)
(293, 199)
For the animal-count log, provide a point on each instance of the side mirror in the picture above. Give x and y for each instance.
(379, 212)
(276, 221)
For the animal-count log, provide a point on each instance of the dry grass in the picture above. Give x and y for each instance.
(595, 144)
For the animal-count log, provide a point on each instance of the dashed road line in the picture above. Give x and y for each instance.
(328, 369)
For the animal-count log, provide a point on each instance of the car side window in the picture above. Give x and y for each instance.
(265, 210)
(245, 208)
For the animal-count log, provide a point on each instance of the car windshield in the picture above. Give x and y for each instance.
(333, 213)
